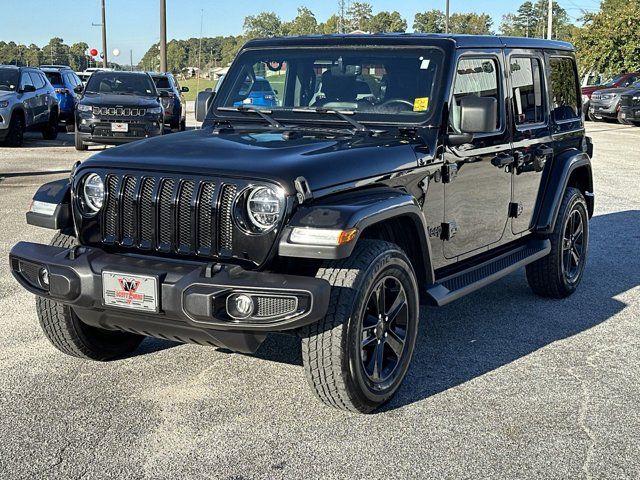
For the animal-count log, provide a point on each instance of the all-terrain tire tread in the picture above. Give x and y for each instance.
(322, 343)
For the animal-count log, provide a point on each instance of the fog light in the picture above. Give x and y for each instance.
(44, 276)
(240, 306)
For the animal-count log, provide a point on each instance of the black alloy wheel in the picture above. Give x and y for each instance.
(384, 332)
(573, 246)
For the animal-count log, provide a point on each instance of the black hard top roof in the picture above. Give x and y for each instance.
(417, 39)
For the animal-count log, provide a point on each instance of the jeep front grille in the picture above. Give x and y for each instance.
(169, 214)
(119, 111)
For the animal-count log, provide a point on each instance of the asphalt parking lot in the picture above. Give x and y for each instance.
(503, 384)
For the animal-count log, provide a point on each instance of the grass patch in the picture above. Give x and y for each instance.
(193, 85)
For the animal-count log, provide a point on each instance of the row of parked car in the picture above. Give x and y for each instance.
(618, 99)
(112, 107)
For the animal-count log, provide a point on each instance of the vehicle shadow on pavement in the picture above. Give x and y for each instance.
(506, 321)
(35, 140)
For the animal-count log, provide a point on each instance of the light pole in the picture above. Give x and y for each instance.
(105, 63)
(550, 20)
(163, 35)
(446, 18)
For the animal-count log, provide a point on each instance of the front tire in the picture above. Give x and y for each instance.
(15, 136)
(559, 273)
(50, 130)
(356, 357)
(80, 145)
(71, 336)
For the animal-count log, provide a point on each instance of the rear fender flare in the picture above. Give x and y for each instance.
(564, 166)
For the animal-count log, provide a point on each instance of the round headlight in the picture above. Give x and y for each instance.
(264, 206)
(93, 192)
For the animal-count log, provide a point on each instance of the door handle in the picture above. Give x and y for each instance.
(543, 151)
(502, 160)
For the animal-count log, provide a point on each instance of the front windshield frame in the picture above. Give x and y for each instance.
(97, 77)
(5, 86)
(294, 115)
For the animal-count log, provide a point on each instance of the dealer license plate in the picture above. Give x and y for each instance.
(120, 127)
(136, 292)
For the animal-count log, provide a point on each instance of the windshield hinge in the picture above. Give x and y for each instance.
(304, 191)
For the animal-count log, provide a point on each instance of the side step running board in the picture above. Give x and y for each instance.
(458, 285)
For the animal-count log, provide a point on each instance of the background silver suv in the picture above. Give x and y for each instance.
(27, 102)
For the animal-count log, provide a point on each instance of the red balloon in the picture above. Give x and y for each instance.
(93, 52)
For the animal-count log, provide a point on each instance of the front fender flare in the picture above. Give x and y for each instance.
(56, 195)
(360, 210)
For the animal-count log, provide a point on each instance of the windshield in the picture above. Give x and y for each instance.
(381, 85)
(121, 84)
(8, 79)
(54, 77)
(612, 81)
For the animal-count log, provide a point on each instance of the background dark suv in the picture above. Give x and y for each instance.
(118, 107)
(175, 111)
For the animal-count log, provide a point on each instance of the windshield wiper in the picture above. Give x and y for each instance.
(342, 114)
(264, 114)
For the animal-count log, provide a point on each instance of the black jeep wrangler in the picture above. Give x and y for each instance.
(332, 214)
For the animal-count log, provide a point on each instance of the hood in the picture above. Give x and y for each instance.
(264, 156)
(612, 90)
(106, 99)
(5, 94)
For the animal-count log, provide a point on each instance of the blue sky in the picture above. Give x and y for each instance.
(133, 24)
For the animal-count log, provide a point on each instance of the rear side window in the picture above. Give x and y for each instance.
(475, 76)
(526, 82)
(55, 78)
(37, 79)
(564, 89)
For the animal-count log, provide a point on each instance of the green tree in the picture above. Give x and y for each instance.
(608, 41)
(176, 56)
(332, 25)
(305, 23)
(431, 21)
(78, 57)
(265, 24)
(384, 22)
(358, 16)
(470, 23)
(32, 55)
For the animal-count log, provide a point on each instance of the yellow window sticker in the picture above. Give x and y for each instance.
(421, 104)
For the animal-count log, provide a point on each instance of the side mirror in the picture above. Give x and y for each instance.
(184, 89)
(478, 114)
(203, 102)
(28, 88)
(163, 94)
(79, 88)
(276, 92)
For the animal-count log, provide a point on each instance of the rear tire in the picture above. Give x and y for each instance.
(50, 131)
(183, 124)
(623, 121)
(80, 145)
(15, 136)
(559, 273)
(71, 336)
(356, 357)
(593, 118)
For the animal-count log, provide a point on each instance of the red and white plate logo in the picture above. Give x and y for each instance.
(137, 292)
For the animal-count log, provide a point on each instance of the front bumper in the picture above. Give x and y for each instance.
(603, 110)
(191, 295)
(631, 114)
(98, 130)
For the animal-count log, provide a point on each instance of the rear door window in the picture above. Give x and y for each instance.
(564, 89)
(37, 80)
(527, 88)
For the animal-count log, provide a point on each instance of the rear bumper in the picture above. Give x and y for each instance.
(191, 296)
